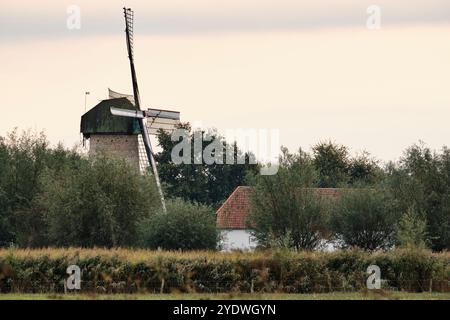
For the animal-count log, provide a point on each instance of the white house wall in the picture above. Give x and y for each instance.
(237, 239)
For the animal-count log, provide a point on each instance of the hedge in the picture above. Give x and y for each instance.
(130, 271)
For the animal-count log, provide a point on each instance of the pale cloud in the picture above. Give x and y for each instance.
(46, 19)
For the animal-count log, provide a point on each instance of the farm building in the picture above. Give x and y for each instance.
(232, 216)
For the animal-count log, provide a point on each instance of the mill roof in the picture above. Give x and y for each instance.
(99, 119)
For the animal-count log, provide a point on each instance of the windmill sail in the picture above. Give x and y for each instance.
(129, 20)
(158, 119)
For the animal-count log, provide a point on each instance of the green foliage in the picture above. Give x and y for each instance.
(5, 229)
(23, 160)
(337, 169)
(209, 184)
(331, 161)
(412, 229)
(422, 179)
(131, 271)
(285, 204)
(364, 218)
(364, 170)
(185, 226)
(98, 204)
(54, 196)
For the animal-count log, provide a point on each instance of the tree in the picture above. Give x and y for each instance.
(186, 226)
(422, 179)
(332, 162)
(5, 229)
(363, 169)
(24, 158)
(285, 204)
(365, 218)
(412, 229)
(99, 204)
(337, 169)
(209, 184)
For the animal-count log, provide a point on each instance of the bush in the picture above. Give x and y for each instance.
(364, 218)
(128, 271)
(185, 226)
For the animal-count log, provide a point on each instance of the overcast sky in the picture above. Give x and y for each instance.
(311, 69)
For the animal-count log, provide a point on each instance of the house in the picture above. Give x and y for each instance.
(231, 218)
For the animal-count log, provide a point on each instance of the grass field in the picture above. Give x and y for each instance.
(382, 295)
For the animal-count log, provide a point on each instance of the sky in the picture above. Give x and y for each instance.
(311, 69)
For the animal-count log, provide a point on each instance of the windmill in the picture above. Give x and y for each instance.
(160, 119)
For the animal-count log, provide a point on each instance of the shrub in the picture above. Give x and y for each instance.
(185, 226)
(120, 270)
(364, 218)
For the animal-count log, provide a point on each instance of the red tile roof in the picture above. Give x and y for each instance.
(234, 211)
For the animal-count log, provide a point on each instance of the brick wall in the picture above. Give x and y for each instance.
(120, 146)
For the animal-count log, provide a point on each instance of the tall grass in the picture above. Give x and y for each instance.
(129, 271)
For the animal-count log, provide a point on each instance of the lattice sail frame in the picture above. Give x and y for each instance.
(155, 121)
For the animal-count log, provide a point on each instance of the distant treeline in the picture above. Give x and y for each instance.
(52, 196)
(406, 203)
(60, 197)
